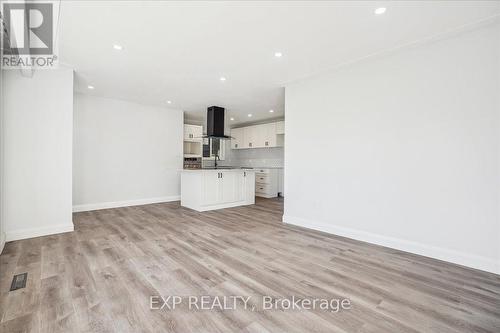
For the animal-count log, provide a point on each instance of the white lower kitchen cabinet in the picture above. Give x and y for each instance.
(281, 182)
(267, 182)
(209, 189)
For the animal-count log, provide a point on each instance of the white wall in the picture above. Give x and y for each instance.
(38, 117)
(125, 153)
(409, 146)
(2, 131)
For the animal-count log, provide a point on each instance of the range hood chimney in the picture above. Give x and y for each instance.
(215, 122)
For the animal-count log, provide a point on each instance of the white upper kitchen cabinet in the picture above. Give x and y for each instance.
(268, 135)
(237, 138)
(255, 136)
(258, 136)
(193, 133)
(258, 132)
(250, 136)
(280, 127)
(193, 146)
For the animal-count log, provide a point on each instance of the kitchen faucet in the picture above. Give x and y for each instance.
(215, 159)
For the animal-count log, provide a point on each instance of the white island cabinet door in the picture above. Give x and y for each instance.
(229, 186)
(244, 187)
(211, 188)
(241, 186)
(249, 187)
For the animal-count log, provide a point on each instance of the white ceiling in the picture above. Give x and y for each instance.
(178, 50)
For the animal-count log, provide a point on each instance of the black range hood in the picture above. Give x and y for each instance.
(215, 123)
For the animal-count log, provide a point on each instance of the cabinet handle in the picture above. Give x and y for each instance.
(267, 143)
(244, 174)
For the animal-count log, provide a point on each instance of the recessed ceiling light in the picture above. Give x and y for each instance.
(117, 47)
(169, 102)
(249, 115)
(232, 119)
(271, 111)
(278, 54)
(380, 10)
(222, 78)
(90, 87)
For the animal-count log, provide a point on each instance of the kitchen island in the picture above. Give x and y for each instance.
(209, 189)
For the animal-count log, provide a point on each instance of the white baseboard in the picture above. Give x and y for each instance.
(37, 232)
(2, 241)
(456, 257)
(127, 203)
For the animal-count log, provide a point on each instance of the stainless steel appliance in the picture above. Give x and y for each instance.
(192, 163)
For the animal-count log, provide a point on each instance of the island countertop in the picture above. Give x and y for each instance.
(218, 170)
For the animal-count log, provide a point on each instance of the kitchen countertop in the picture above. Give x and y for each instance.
(218, 169)
(222, 168)
(259, 167)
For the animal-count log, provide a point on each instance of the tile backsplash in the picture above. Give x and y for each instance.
(258, 157)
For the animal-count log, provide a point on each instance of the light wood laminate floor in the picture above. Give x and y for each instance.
(100, 277)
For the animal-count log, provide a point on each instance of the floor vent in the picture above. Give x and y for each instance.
(19, 281)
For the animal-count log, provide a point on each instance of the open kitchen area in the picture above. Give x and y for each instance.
(228, 165)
